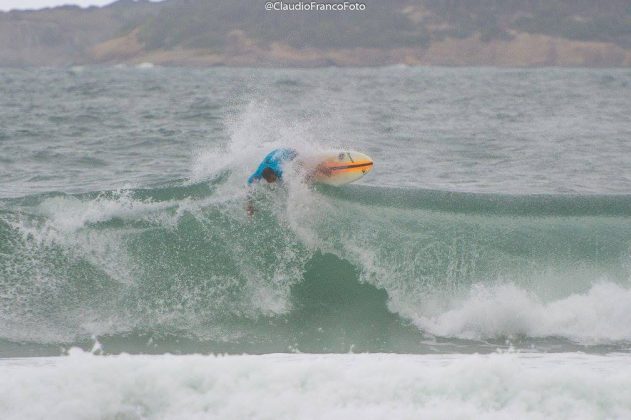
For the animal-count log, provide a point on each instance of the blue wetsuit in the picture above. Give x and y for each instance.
(274, 160)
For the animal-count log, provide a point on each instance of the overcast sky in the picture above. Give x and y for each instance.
(39, 4)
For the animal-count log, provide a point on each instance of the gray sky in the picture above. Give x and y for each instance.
(38, 4)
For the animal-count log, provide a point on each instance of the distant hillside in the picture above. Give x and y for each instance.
(243, 33)
(65, 35)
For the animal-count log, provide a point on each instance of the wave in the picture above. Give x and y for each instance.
(316, 269)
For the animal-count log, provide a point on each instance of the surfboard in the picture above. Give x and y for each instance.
(338, 167)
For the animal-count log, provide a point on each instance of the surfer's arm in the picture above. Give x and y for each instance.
(252, 180)
(249, 207)
(249, 202)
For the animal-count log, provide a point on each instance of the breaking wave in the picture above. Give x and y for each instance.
(316, 269)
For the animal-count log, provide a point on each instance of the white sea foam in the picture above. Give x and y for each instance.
(367, 386)
(600, 315)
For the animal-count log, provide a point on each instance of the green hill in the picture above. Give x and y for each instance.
(242, 32)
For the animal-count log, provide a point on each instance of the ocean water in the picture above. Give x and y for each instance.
(481, 269)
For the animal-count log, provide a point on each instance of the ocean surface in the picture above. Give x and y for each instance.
(482, 269)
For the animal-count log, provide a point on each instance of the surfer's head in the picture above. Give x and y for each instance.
(269, 175)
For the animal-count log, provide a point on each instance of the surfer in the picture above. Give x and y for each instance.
(271, 170)
(272, 167)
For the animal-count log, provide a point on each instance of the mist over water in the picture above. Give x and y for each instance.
(497, 213)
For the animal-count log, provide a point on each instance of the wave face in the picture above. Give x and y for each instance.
(180, 267)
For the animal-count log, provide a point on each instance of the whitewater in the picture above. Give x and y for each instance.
(481, 269)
